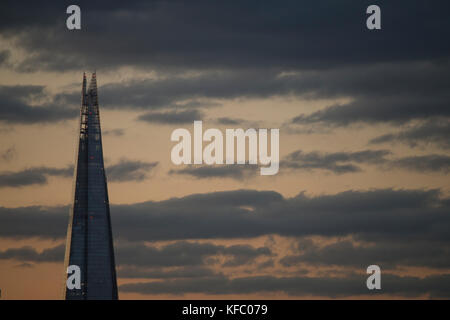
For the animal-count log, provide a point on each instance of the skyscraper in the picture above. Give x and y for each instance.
(89, 236)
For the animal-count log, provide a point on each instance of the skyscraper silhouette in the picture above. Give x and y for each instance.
(89, 236)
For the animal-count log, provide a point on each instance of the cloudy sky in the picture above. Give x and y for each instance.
(364, 119)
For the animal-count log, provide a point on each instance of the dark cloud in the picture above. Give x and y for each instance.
(246, 213)
(32, 176)
(114, 132)
(337, 162)
(382, 253)
(172, 117)
(124, 170)
(29, 254)
(345, 162)
(380, 93)
(435, 286)
(178, 254)
(393, 228)
(160, 273)
(172, 91)
(129, 170)
(236, 122)
(417, 91)
(427, 163)
(186, 261)
(236, 172)
(435, 132)
(183, 253)
(395, 110)
(183, 91)
(229, 121)
(269, 263)
(34, 221)
(17, 105)
(222, 34)
(4, 56)
(279, 51)
(367, 215)
(244, 254)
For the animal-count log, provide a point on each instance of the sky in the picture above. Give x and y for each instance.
(364, 119)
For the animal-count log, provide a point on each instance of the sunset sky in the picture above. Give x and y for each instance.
(364, 119)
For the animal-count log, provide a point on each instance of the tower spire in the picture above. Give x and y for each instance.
(93, 89)
(83, 90)
(89, 238)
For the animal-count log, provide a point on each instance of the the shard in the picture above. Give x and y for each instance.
(89, 237)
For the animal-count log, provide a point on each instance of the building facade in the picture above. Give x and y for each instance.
(89, 237)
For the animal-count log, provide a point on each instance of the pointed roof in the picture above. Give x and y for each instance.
(93, 89)
(90, 244)
(83, 90)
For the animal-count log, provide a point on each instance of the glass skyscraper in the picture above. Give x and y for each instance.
(89, 236)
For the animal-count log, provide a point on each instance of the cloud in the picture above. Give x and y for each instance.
(427, 163)
(17, 105)
(229, 121)
(249, 213)
(160, 273)
(393, 228)
(417, 83)
(172, 117)
(4, 56)
(123, 171)
(139, 255)
(114, 132)
(187, 274)
(388, 254)
(345, 162)
(367, 215)
(396, 110)
(29, 254)
(192, 91)
(184, 253)
(32, 176)
(435, 132)
(435, 286)
(260, 57)
(129, 170)
(337, 162)
(34, 221)
(255, 35)
(236, 172)
(171, 91)
(418, 93)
